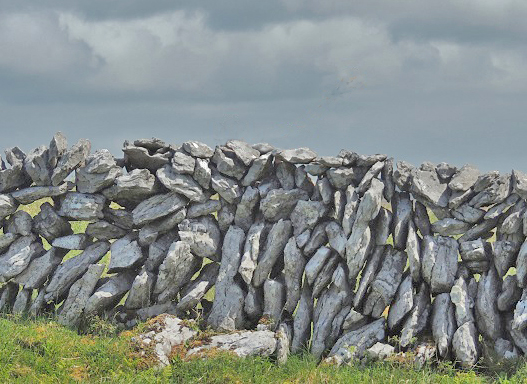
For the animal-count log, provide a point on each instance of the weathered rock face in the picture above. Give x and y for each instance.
(320, 247)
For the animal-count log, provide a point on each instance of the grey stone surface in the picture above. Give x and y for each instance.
(427, 185)
(418, 318)
(402, 303)
(464, 178)
(465, 344)
(504, 255)
(140, 291)
(302, 320)
(226, 187)
(369, 273)
(450, 227)
(156, 207)
(75, 241)
(279, 203)
(259, 169)
(203, 235)
(82, 206)
(362, 338)
(13, 178)
(297, 156)
(8, 205)
(70, 160)
(79, 293)
(48, 224)
(125, 253)
(198, 149)
(150, 232)
(203, 209)
(402, 214)
(439, 264)
(294, 263)
(384, 286)
(19, 223)
(510, 294)
(175, 271)
(109, 293)
(402, 176)
(31, 194)
(69, 271)
(132, 188)
(254, 243)
(276, 241)
(306, 215)
(19, 255)
(316, 263)
(274, 300)
(468, 214)
(487, 315)
(463, 301)
(350, 210)
(140, 157)
(202, 173)
(194, 292)
(413, 250)
(36, 165)
(228, 165)
(104, 230)
(182, 184)
(227, 308)
(245, 209)
(443, 323)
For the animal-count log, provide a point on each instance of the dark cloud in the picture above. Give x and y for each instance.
(419, 82)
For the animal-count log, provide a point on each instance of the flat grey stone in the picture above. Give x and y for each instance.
(497, 192)
(468, 214)
(325, 275)
(336, 238)
(450, 227)
(95, 182)
(132, 188)
(203, 209)
(316, 263)
(260, 168)
(339, 203)
(402, 303)
(279, 204)
(387, 179)
(139, 157)
(243, 151)
(70, 270)
(253, 303)
(443, 323)
(402, 214)
(125, 253)
(302, 320)
(274, 300)
(370, 204)
(36, 165)
(70, 160)
(40, 268)
(6, 240)
(382, 226)
(487, 315)
(306, 215)
(57, 147)
(19, 223)
(276, 241)
(176, 270)
(198, 149)
(384, 286)
(104, 230)
(465, 344)
(342, 177)
(457, 198)
(369, 273)
(294, 263)
(350, 210)
(227, 308)
(380, 351)
(285, 172)
(254, 244)
(417, 320)
(109, 293)
(156, 207)
(464, 178)
(246, 208)
(226, 187)
(439, 264)
(76, 241)
(82, 206)
(325, 190)
(243, 344)
(157, 251)
(13, 178)
(182, 184)
(479, 230)
(358, 248)
(402, 176)
(228, 166)
(140, 291)
(297, 156)
(372, 173)
(150, 232)
(413, 250)
(152, 144)
(79, 293)
(203, 235)
(31, 194)
(8, 296)
(362, 338)
(226, 215)
(182, 163)
(19, 255)
(283, 335)
(504, 253)
(48, 224)
(202, 173)
(463, 301)
(510, 294)
(8, 206)
(318, 238)
(21, 304)
(263, 148)
(427, 185)
(194, 292)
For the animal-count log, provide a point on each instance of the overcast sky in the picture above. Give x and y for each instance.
(417, 80)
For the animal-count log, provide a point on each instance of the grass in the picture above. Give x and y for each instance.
(41, 351)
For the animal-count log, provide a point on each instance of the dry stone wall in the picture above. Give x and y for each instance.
(334, 251)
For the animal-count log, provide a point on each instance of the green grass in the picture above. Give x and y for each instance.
(41, 351)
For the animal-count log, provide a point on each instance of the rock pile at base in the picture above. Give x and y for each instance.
(355, 248)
